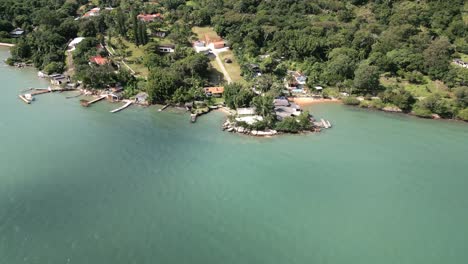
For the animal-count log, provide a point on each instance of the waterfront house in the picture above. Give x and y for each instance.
(17, 32)
(59, 79)
(246, 111)
(214, 91)
(149, 17)
(250, 120)
(284, 108)
(281, 102)
(166, 48)
(114, 97)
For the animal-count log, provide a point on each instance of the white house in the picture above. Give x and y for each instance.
(74, 43)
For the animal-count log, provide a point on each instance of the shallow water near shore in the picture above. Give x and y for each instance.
(82, 185)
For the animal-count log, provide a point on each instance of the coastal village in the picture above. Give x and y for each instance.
(208, 43)
(151, 28)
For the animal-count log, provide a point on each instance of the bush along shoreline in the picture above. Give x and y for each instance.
(434, 106)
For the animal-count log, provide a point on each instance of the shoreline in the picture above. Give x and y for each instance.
(2, 44)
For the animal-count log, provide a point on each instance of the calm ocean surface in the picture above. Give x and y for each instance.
(82, 185)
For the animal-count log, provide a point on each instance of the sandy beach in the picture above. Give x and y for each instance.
(304, 101)
(6, 44)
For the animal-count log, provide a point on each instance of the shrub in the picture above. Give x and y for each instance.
(365, 104)
(422, 112)
(351, 101)
(416, 77)
(377, 104)
(463, 114)
(288, 124)
(53, 67)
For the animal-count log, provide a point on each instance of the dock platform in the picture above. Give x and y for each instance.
(127, 104)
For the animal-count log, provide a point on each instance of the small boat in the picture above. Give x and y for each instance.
(29, 97)
(193, 118)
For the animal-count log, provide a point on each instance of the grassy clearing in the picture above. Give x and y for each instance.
(135, 58)
(417, 90)
(233, 68)
(202, 31)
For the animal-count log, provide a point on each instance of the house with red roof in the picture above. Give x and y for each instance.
(99, 60)
(214, 91)
(149, 17)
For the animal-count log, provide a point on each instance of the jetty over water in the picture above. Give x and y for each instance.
(29, 97)
(86, 103)
(127, 104)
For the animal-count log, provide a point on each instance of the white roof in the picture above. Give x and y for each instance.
(250, 119)
(246, 111)
(75, 42)
(318, 87)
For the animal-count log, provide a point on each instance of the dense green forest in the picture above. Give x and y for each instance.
(400, 51)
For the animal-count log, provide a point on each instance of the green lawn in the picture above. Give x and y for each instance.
(233, 68)
(135, 57)
(418, 90)
(202, 31)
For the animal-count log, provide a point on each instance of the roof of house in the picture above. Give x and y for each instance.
(219, 42)
(246, 111)
(75, 41)
(149, 17)
(99, 60)
(281, 102)
(17, 31)
(214, 90)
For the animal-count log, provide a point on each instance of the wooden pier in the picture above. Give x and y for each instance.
(164, 107)
(86, 103)
(127, 104)
(38, 91)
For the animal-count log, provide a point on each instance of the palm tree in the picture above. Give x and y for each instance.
(263, 105)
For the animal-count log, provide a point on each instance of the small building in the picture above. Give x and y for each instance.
(246, 111)
(99, 60)
(72, 45)
(149, 17)
(219, 44)
(93, 12)
(214, 91)
(199, 44)
(141, 98)
(300, 78)
(17, 32)
(166, 48)
(281, 102)
(250, 120)
(114, 97)
(59, 79)
(160, 34)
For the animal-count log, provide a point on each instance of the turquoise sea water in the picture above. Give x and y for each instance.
(82, 185)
